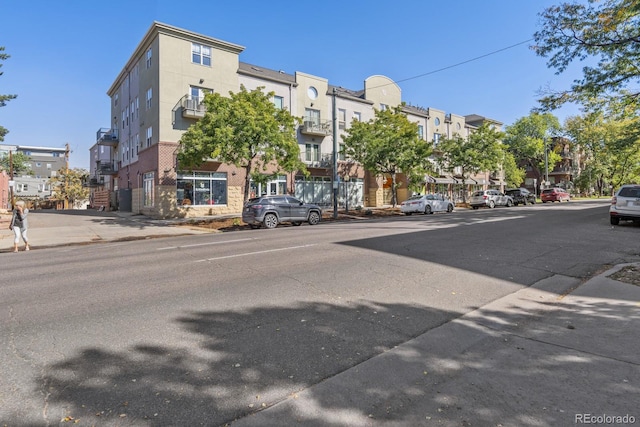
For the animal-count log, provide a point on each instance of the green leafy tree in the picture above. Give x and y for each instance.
(4, 98)
(480, 151)
(388, 144)
(67, 185)
(18, 161)
(605, 30)
(609, 146)
(244, 129)
(513, 175)
(527, 138)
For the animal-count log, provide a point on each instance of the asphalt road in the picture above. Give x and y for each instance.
(202, 330)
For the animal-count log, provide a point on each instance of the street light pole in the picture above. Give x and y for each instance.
(546, 164)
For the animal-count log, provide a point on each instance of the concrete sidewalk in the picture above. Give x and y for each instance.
(533, 358)
(70, 227)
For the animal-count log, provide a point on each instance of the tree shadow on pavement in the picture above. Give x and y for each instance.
(518, 368)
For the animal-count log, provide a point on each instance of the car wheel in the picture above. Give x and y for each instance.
(509, 203)
(407, 213)
(474, 207)
(254, 226)
(492, 204)
(544, 201)
(614, 220)
(296, 223)
(533, 202)
(427, 210)
(314, 218)
(450, 208)
(270, 221)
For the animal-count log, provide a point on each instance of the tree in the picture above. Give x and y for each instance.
(67, 185)
(4, 98)
(513, 175)
(246, 130)
(388, 144)
(19, 161)
(528, 138)
(607, 30)
(608, 143)
(480, 151)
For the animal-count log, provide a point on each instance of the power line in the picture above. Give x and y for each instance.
(458, 64)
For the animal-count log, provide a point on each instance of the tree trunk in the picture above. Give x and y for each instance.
(394, 198)
(247, 183)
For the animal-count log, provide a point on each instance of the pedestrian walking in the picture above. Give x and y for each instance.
(20, 225)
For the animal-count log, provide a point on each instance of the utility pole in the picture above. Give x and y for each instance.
(546, 164)
(66, 176)
(11, 181)
(336, 182)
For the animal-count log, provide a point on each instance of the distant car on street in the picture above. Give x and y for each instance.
(273, 210)
(521, 196)
(625, 204)
(426, 204)
(490, 199)
(555, 194)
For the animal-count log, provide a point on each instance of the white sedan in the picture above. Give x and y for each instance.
(426, 204)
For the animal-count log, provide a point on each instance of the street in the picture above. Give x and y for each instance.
(206, 329)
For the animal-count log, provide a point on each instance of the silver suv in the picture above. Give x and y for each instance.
(625, 204)
(490, 198)
(272, 210)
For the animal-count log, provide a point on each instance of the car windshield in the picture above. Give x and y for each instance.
(478, 193)
(416, 197)
(547, 191)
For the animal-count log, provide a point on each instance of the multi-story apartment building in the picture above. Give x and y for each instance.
(158, 95)
(44, 162)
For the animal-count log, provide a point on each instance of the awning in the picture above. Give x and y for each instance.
(446, 181)
(497, 182)
(429, 179)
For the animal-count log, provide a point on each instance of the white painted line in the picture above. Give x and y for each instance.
(203, 244)
(254, 253)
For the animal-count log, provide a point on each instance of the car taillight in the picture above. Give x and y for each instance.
(614, 200)
(484, 197)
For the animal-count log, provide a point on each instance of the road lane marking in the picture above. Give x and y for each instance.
(254, 253)
(203, 244)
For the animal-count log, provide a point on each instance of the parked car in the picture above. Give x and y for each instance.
(273, 210)
(625, 204)
(521, 196)
(426, 204)
(554, 195)
(489, 198)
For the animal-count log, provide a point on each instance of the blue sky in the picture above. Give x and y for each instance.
(66, 54)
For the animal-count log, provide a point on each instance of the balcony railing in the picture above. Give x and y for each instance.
(107, 168)
(106, 136)
(192, 107)
(324, 160)
(316, 127)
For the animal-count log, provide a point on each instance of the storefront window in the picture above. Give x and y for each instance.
(201, 188)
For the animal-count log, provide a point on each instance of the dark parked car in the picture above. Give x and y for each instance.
(272, 210)
(521, 196)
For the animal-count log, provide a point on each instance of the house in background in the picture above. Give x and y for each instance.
(561, 174)
(44, 162)
(158, 95)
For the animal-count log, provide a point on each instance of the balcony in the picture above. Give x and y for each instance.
(317, 160)
(316, 128)
(192, 107)
(106, 136)
(106, 168)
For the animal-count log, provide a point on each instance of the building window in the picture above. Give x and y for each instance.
(149, 136)
(436, 121)
(137, 107)
(122, 119)
(201, 188)
(421, 131)
(312, 153)
(127, 114)
(147, 189)
(149, 97)
(341, 154)
(115, 99)
(200, 54)
(357, 116)
(38, 164)
(48, 165)
(133, 106)
(149, 58)
(436, 138)
(384, 107)
(136, 140)
(278, 101)
(312, 116)
(342, 119)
